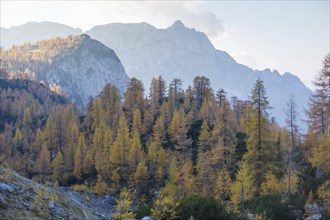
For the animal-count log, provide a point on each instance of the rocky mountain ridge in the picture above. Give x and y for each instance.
(183, 52)
(178, 51)
(80, 65)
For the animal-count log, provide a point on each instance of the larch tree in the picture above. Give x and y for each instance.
(134, 99)
(137, 124)
(243, 187)
(43, 164)
(157, 94)
(178, 132)
(50, 136)
(202, 89)
(224, 138)
(140, 176)
(123, 207)
(102, 140)
(292, 127)
(319, 120)
(119, 150)
(176, 86)
(88, 166)
(111, 105)
(206, 175)
(58, 167)
(223, 184)
(78, 156)
(135, 153)
(259, 152)
(204, 138)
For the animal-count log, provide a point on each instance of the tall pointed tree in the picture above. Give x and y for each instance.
(78, 156)
(292, 127)
(178, 132)
(259, 152)
(243, 187)
(134, 98)
(43, 164)
(119, 151)
(319, 120)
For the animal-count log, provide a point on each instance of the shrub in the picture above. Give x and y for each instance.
(270, 206)
(202, 208)
(142, 210)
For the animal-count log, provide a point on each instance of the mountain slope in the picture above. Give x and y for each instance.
(177, 51)
(34, 31)
(22, 198)
(80, 65)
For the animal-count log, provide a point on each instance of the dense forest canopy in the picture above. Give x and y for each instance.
(173, 150)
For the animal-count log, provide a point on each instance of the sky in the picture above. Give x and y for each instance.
(289, 36)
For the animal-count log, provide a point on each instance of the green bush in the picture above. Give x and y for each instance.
(202, 208)
(269, 206)
(142, 210)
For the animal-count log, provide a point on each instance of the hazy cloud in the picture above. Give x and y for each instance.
(86, 14)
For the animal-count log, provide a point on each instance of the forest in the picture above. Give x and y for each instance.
(174, 153)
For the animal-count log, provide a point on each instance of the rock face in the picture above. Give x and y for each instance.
(178, 51)
(34, 31)
(86, 70)
(80, 65)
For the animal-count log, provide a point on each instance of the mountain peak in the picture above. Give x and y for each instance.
(177, 25)
(85, 37)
